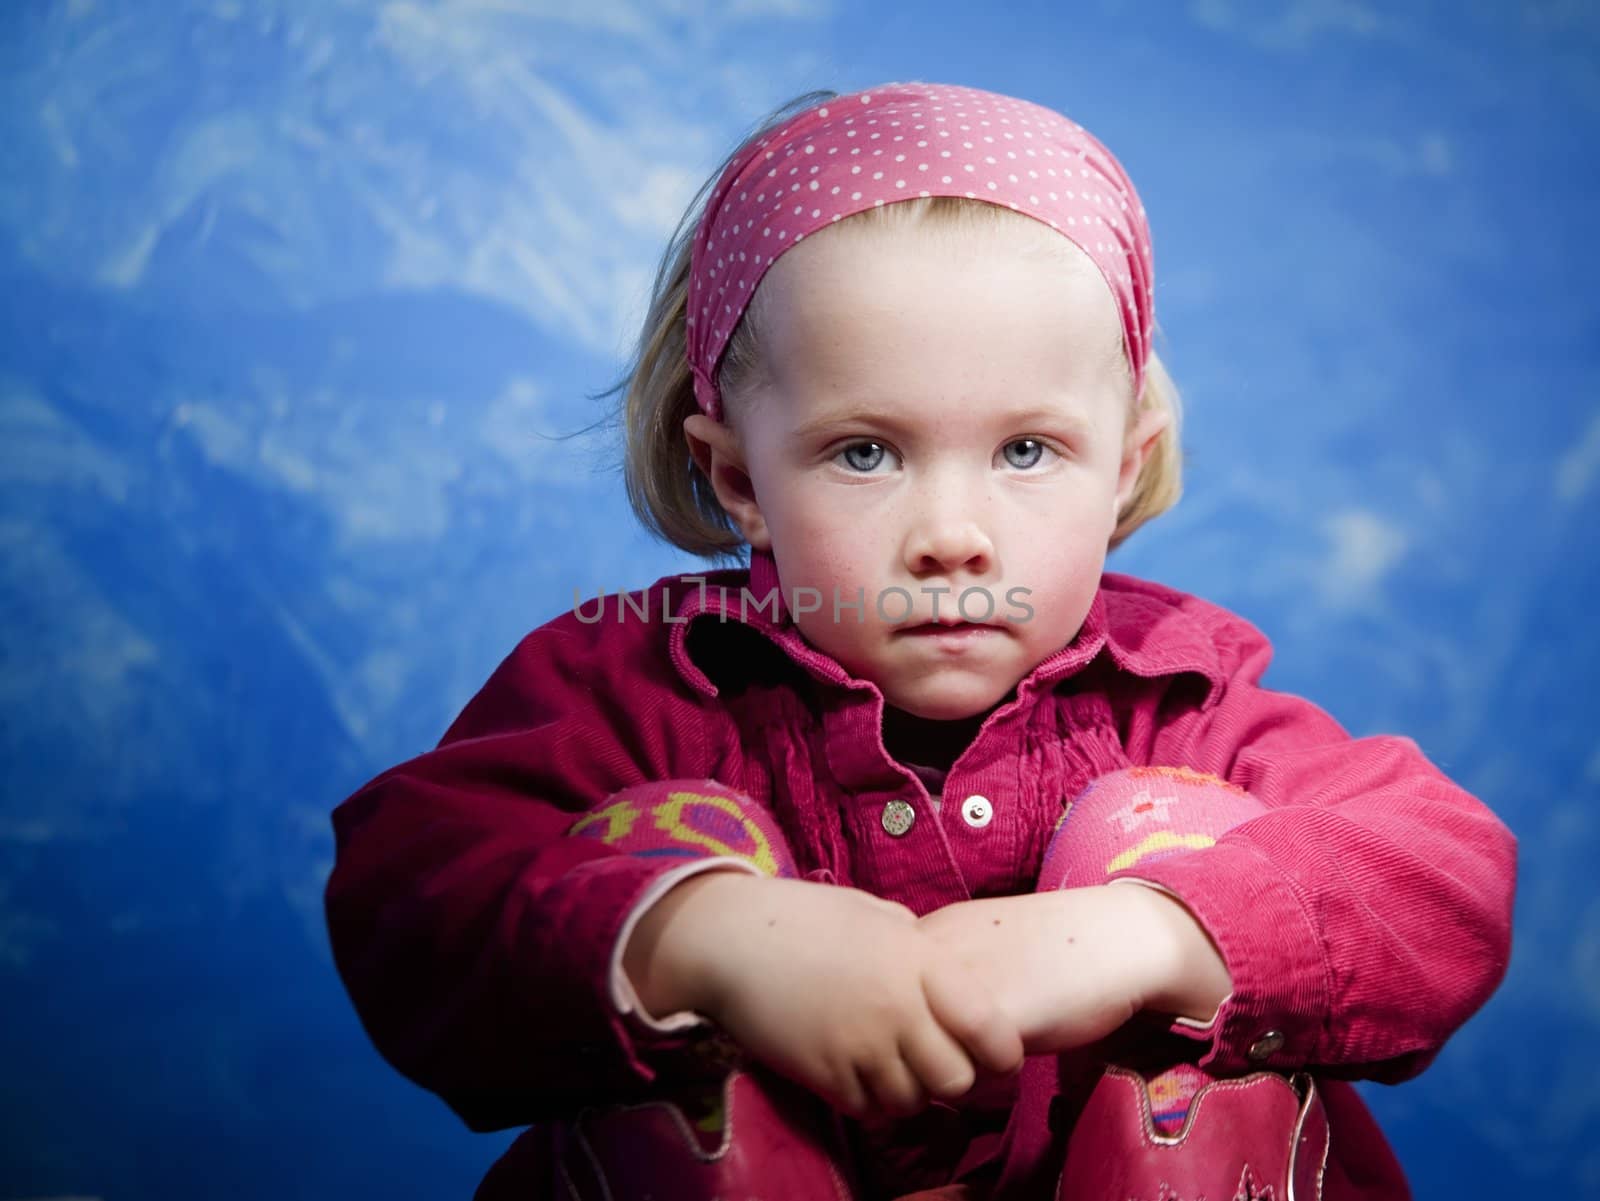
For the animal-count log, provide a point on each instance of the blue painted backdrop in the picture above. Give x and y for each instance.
(296, 291)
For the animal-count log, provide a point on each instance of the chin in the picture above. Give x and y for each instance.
(950, 705)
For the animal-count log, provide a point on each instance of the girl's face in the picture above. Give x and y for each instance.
(938, 416)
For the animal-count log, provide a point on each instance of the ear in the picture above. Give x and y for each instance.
(1137, 444)
(720, 455)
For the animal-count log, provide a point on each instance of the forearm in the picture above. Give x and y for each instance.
(1070, 965)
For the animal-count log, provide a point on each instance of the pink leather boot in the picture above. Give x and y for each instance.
(1261, 1137)
(768, 1138)
(755, 1135)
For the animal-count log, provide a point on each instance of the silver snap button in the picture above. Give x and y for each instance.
(898, 816)
(1266, 1045)
(976, 811)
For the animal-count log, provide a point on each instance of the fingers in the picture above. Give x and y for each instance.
(846, 1092)
(889, 1082)
(938, 1061)
(969, 1015)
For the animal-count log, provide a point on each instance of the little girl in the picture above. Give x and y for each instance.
(922, 853)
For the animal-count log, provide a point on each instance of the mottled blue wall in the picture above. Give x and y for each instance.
(292, 289)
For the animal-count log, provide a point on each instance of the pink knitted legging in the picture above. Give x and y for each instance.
(1123, 819)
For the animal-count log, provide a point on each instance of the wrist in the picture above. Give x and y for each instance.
(668, 959)
(1187, 975)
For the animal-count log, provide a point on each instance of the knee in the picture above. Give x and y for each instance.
(1138, 815)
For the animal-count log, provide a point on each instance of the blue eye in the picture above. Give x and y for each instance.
(871, 460)
(1037, 446)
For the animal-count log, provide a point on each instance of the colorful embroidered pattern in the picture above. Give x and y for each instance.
(661, 820)
(1186, 775)
(1170, 1094)
(1143, 808)
(1161, 840)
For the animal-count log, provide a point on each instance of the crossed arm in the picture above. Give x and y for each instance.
(871, 1007)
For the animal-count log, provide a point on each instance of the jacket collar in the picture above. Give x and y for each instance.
(1143, 633)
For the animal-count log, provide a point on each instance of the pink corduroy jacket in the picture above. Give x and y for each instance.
(1363, 918)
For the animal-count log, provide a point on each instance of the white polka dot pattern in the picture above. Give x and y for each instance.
(897, 142)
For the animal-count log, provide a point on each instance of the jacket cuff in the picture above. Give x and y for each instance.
(579, 923)
(1277, 1013)
(624, 999)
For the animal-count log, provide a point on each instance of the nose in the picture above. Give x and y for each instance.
(945, 539)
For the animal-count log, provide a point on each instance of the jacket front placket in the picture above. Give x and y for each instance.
(897, 845)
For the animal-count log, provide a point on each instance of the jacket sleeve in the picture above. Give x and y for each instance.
(1366, 916)
(475, 938)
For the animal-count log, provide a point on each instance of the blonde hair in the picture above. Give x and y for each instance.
(666, 488)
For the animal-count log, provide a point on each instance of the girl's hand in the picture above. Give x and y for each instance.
(833, 987)
(1067, 967)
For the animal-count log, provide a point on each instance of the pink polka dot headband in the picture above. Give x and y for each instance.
(897, 142)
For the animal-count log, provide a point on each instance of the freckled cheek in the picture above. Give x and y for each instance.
(830, 518)
(1059, 566)
(842, 562)
(819, 547)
